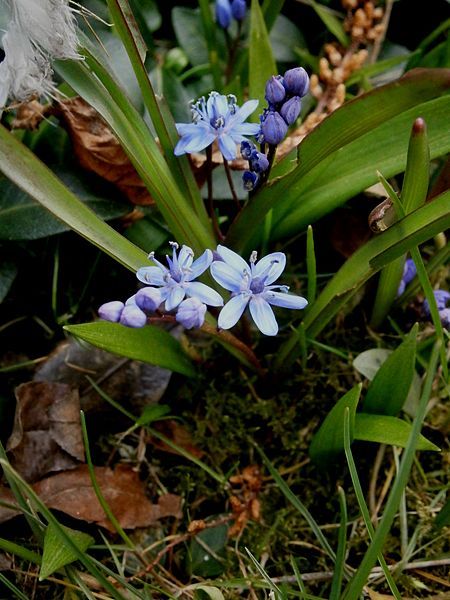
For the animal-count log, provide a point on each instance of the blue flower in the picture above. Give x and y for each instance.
(177, 281)
(273, 127)
(223, 13)
(239, 9)
(191, 313)
(409, 272)
(128, 314)
(218, 118)
(442, 299)
(251, 284)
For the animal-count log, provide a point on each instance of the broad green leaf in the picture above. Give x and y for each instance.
(8, 272)
(416, 228)
(33, 177)
(261, 64)
(331, 22)
(284, 37)
(188, 29)
(385, 429)
(203, 562)
(152, 413)
(271, 10)
(21, 218)
(390, 386)
(329, 440)
(56, 554)
(333, 163)
(203, 592)
(368, 362)
(133, 27)
(149, 344)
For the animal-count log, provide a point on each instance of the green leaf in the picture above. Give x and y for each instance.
(33, 177)
(271, 10)
(133, 27)
(203, 592)
(149, 344)
(152, 413)
(333, 162)
(284, 37)
(329, 440)
(443, 517)
(56, 554)
(416, 228)
(331, 22)
(261, 64)
(8, 272)
(390, 386)
(188, 29)
(21, 218)
(368, 362)
(212, 542)
(385, 429)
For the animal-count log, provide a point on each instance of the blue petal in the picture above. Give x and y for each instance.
(228, 278)
(263, 316)
(285, 300)
(227, 146)
(174, 298)
(217, 105)
(151, 275)
(262, 267)
(197, 140)
(240, 131)
(232, 311)
(200, 265)
(232, 259)
(185, 257)
(186, 128)
(240, 115)
(204, 293)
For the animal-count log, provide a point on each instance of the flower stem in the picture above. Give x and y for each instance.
(211, 211)
(231, 184)
(270, 157)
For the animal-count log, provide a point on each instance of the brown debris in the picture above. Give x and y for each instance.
(29, 115)
(47, 434)
(244, 502)
(177, 434)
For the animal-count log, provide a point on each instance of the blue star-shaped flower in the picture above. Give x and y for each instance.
(251, 284)
(177, 281)
(219, 118)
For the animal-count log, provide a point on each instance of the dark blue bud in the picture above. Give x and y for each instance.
(274, 128)
(258, 162)
(445, 317)
(409, 271)
(132, 316)
(296, 81)
(275, 91)
(238, 9)
(111, 311)
(442, 298)
(291, 109)
(250, 180)
(223, 13)
(246, 149)
(148, 299)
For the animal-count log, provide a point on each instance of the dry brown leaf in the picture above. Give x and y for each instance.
(46, 435)
(177, 434)
(98, 150)
(349, 231)
(72, 493)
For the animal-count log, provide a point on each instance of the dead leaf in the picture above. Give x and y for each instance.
(98, 150)
(30, 114)
(349, 231)
(244, 501)
(71, 492)
(177, 434)
(46, 435)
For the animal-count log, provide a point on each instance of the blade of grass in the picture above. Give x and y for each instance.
(20, 551)
(311, 265)
(298, 577)
(297, 504)
(363, 506)
(357, 583)
(7, 583)
(336, 583)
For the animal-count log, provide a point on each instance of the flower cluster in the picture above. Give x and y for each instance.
(226, 11)
(216, 118)
(409, 272)
(250, 285)
(39, 31)
(442, 300)
(258, 163)
(283, 95)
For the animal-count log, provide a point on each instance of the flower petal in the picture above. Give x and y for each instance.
(185, 257)
(263, 267)
(239, 132)
(200, 265)
(204, 293)
(232, 259)
(151, 276)
(263, 315)
(228, 278)
(242, 113)
(232, 311)
(176, 295)
(285, 300)
(227, 146)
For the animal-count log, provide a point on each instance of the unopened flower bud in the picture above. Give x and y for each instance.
(149, 299)
(249, 180)
(442, 298)
(223, 13)
(133, 316)
(238, 9)
(111, 311)
(191, 313)
(445, 317)
(246, 149)
(274, 128)
(275, 91)
(291, 109)
(258, 162)
(296, 81)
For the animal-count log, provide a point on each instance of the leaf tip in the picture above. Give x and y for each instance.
(419, 126)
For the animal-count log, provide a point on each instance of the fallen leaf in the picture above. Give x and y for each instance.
(177, 434)
(98, 150)
(71, 492)
(46, 435)
(30, 114)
